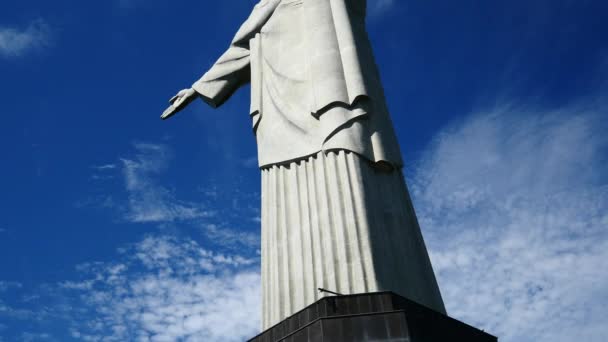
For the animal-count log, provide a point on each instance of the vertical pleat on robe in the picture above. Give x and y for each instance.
(335, 221)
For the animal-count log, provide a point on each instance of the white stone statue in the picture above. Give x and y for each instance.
(336, 213)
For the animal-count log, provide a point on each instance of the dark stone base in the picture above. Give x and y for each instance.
(382, 316)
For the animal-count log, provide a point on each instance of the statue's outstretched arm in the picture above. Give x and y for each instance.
(232, 69)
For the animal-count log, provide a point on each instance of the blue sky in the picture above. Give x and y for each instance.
(118, 226)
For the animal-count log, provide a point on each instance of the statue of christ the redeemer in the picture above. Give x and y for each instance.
(336, 213)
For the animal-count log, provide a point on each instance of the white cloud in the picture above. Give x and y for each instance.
(225, 217)
(219, 214)
(514, 206)
(169, 289)
(15, 42)
(148, 200)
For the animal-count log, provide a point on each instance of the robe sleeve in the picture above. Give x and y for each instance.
(232, 69)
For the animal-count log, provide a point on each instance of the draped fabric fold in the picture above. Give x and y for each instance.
(312, 71)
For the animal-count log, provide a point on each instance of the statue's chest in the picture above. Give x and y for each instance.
(287, 19)
(285, 36)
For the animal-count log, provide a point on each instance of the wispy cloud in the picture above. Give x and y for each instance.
(148, 200)
(168, 289)
(514, 205)
(31, 337)
(378, 7)
(5, 285)
(251, 162)
(5, 310)
(15, 42)
(231, 238)
(11, 312)
(104, 167)
(228, 218)
(103, 172)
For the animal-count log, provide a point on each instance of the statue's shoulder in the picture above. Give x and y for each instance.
(263, 3)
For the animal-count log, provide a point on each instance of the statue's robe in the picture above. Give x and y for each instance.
(330, 216)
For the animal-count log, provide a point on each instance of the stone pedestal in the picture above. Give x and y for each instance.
(381, 316)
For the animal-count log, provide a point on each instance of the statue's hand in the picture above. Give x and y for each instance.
(179, 102)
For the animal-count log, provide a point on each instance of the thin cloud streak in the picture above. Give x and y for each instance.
(104, 167)
(514, 204)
